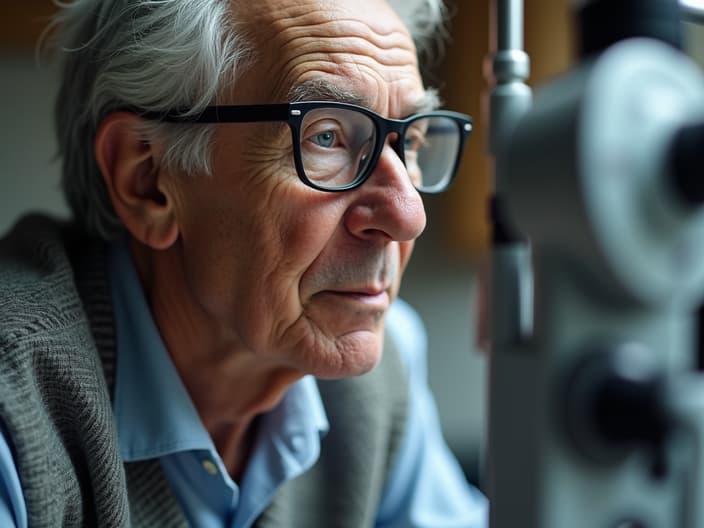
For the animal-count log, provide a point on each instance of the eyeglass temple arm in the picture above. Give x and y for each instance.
(224, 114)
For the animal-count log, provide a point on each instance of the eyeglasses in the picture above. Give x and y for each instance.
(336, 146)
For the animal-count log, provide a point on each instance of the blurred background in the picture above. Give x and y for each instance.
(441, 280)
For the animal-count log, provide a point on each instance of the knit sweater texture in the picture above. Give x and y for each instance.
(57, 366)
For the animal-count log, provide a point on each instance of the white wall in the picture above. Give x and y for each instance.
(30, 175)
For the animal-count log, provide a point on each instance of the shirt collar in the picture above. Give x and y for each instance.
(153, 412)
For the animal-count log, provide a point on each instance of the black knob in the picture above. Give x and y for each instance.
(613, 403)
(686, 165)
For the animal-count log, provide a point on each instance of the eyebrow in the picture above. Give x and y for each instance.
(318, 90)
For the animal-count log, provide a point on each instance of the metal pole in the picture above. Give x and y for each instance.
(511, 276)
(511, 283)
(510, 68)
(510, 25)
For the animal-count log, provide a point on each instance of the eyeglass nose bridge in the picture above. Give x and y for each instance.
(387, 127)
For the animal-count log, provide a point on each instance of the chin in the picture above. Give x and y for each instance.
(354, 354)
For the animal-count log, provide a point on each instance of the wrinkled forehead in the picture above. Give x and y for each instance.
(361, 47)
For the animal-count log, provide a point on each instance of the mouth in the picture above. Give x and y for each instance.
(364, 284)
(377, 298)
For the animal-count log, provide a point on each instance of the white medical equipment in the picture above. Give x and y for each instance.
(596, 415)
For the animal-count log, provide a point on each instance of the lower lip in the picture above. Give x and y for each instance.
(376, 299)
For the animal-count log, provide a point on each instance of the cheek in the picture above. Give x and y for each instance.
(246, 247)
(220, 232)
(300, 221)
(272, 219)
(405, 251)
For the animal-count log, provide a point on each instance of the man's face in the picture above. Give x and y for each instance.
(300, 277)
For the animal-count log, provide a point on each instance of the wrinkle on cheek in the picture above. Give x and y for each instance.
(261, 144)
(268, 162)
(278, 273)
(265, 162)
(277, 230)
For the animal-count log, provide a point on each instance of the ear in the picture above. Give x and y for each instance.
(134, 181)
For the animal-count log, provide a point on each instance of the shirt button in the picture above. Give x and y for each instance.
(210, 467)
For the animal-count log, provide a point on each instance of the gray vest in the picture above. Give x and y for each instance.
(57, 362)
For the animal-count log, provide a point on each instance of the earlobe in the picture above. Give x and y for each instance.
(131, 173)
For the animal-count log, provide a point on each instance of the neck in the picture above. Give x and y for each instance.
(228, 384)
(229, 392)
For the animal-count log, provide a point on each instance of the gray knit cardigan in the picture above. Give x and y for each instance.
(57, 364)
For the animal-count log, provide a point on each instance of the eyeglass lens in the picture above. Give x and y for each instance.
(337, 145)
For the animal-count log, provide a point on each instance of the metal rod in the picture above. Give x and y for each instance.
(507, 72)
(510, 25)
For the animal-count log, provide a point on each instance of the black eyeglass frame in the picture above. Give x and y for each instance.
(293, 114)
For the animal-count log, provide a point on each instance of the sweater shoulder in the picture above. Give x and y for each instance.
(38, 294)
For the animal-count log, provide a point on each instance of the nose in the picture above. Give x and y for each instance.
(387, 205)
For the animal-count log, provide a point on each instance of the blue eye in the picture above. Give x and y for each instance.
(324, 139)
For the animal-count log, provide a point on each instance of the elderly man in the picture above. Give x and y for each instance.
(202, 345)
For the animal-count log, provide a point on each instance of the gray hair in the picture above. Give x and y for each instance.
(155, 55)
(425, 19)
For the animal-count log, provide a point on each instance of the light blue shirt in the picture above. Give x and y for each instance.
(156, 418)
